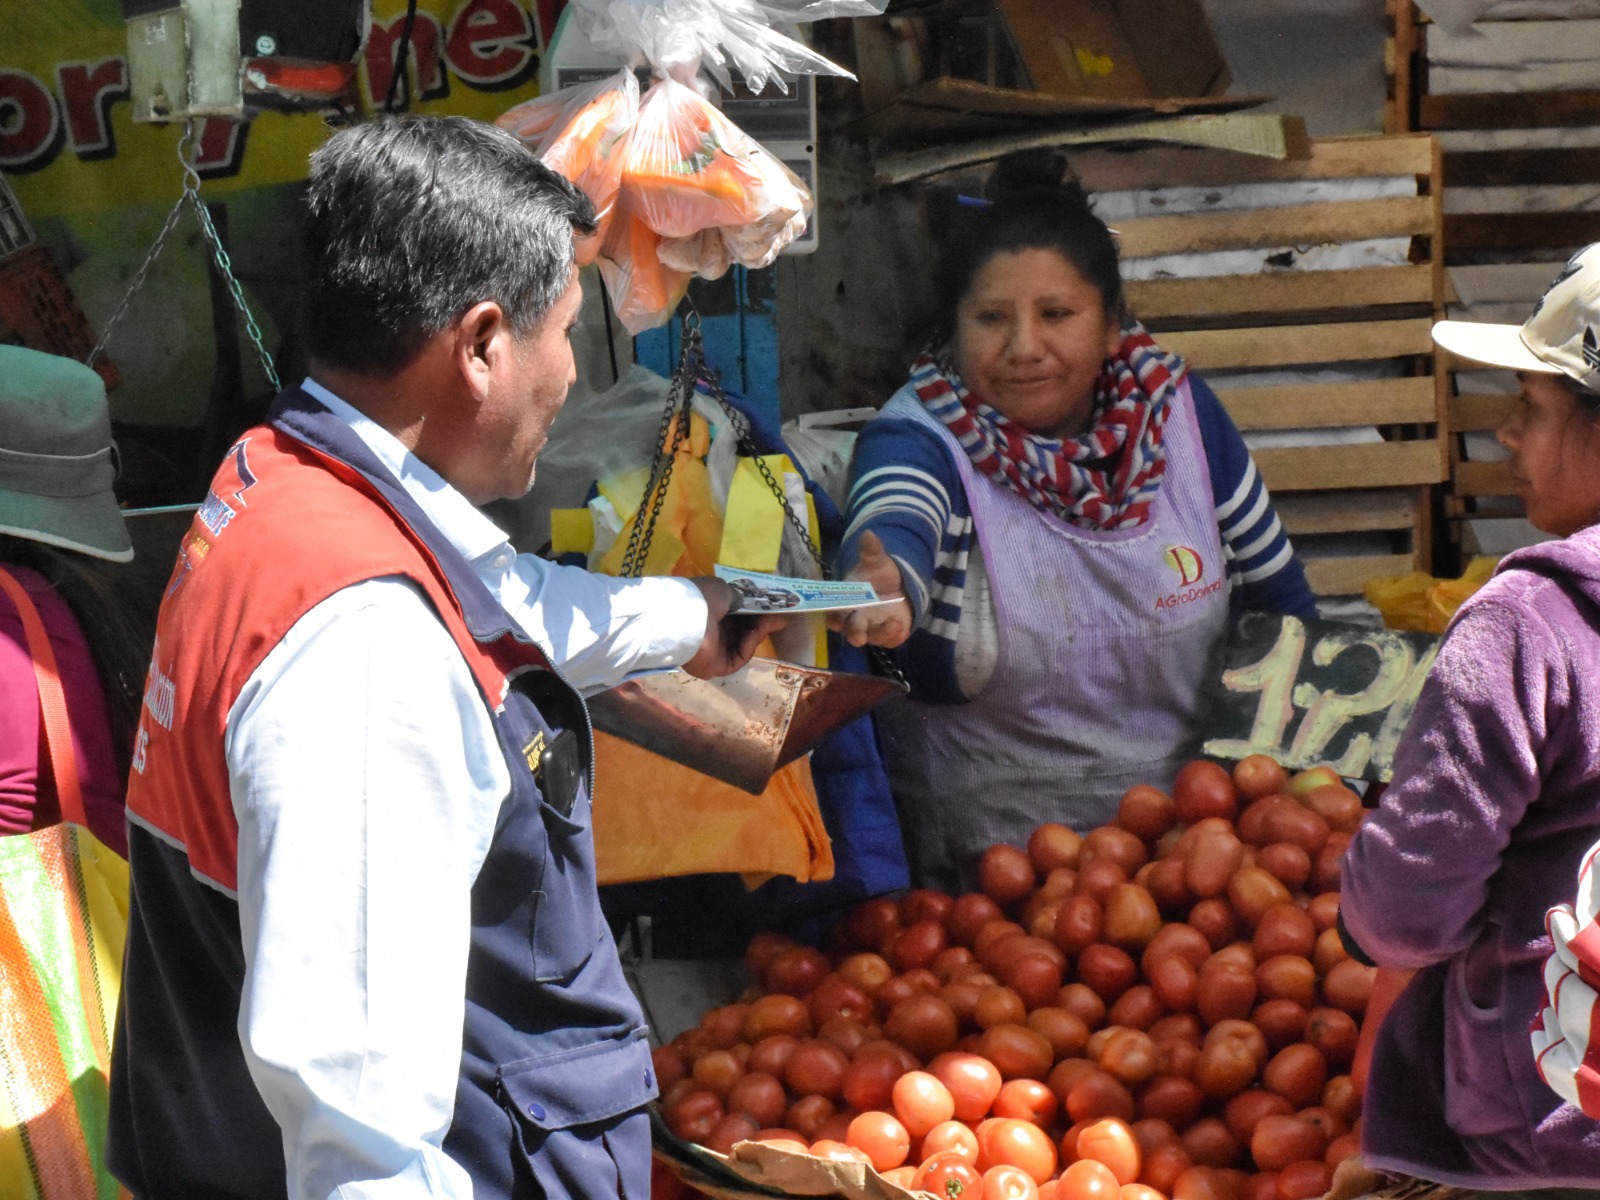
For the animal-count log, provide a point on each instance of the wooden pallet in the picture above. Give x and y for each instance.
(1498, 140)
(1293, 318)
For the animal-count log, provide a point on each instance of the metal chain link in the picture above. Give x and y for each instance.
(882, 661)
(191, 196)
(680, 396)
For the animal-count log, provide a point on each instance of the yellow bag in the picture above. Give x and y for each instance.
(1424, 603)
(653, 817)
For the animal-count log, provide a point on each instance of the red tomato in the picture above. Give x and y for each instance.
(1006, 874)
(1087, 1179)
(1141, 1191)
(921, 1102)
(1027, 1100)
(1111, 1142)
(1203, 789)
(950, 1137)
(948, 1176)
(973, 1082)
(1011, 1142)
(1008, 1183)
(838, 1151)
(882, 1138)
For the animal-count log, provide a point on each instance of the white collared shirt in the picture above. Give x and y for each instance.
(366, 779)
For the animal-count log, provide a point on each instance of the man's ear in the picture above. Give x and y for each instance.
(480, 337)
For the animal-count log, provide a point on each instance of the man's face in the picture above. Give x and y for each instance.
(531, 384)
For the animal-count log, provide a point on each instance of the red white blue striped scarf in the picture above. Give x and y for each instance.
(1107, 477)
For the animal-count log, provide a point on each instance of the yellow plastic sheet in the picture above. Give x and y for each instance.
(1424, 603)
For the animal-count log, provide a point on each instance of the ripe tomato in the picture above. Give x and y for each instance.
(1027, 1100)
(1087, 1179)
(882, 1138)
(1011, 1142)
(949, 1177)
(1258, 775)
(973, 1083)
(1141, 1191)
(1008, 1183)
(1111, 1143)
(694, 1116)
(1006, 874)
(921, 1102)
(950, 1137)
(837, 1151)
(1203, 789)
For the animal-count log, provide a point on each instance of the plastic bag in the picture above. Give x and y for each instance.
(644, 291)
(1425, 603)
(585, 141)
(689, 170)
(679, 37)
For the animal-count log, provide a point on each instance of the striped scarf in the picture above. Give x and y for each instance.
(1107, 477)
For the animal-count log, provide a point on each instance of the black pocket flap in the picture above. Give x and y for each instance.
(578, 1087)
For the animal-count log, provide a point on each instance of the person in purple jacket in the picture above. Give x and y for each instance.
(1495, 800)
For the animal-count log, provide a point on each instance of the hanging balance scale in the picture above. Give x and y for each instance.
(740, 728)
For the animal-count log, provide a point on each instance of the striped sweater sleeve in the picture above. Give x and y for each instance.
(1260, 558)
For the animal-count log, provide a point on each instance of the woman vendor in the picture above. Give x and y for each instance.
(1495, 800)
(1069, 516)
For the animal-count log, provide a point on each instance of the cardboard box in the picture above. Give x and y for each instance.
(1116, 49)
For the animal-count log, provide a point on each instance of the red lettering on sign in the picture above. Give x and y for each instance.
(491, 44)
(221, 148)
(87, 92)
(383, 43)
(30, 125)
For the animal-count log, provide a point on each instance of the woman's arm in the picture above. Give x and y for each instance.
(1258, 550)
(1416, 875)
(904, 487)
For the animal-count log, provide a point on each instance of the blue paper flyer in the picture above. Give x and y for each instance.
(756, 592)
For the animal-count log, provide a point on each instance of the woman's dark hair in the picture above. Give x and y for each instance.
(1032, 208)
(117, 631)
(411, 220)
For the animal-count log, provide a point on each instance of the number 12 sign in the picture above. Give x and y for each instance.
(1309, 692)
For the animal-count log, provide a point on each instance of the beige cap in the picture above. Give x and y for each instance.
(1562, 337)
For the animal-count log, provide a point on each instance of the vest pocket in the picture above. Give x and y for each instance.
(580, 1119)
(566, 920)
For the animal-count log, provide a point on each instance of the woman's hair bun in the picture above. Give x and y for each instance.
(1032, 173)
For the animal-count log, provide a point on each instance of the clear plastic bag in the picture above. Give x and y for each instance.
(585, 142)
(680, 37)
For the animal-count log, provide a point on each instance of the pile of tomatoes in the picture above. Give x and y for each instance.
(1158, 1008)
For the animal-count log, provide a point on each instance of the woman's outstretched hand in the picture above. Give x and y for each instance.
(885, 625)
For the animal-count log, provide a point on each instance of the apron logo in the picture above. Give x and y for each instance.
(1188, 564)
(234, 478)
(533, 752)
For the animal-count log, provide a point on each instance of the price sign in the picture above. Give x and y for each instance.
(1309, 692)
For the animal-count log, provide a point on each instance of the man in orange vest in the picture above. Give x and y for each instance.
(365, 955)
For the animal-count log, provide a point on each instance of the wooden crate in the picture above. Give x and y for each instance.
(1516, 107)
(1346, 321)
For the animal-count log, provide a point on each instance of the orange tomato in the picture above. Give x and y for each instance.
(1027, 1100)
(883, 1139)
(1111, 1142)
(1008, 1183)
(921, 1102)
(948, 1176)
(1009, 1141)
(1088, 1180)
(973, 1082)
(1141, 1191)
(838, 1151)
(950, 1137)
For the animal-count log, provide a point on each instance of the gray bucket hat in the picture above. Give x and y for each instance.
(56, 456)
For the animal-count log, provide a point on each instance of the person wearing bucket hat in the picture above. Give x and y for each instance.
(1495, 805)
(63, 539)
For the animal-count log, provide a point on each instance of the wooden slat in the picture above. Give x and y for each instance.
(1521, 231)
(1291, 225)
(1482, 479)
(1347, 576)
(1212, 349)
(1509, 110)
(1522, 168)
(1280, 291)
(1405, 401)
(1331, 158)
(1346, 512)
(1369, 464)
(1476, 414)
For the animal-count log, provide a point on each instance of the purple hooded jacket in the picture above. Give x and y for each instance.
(1496, 797)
